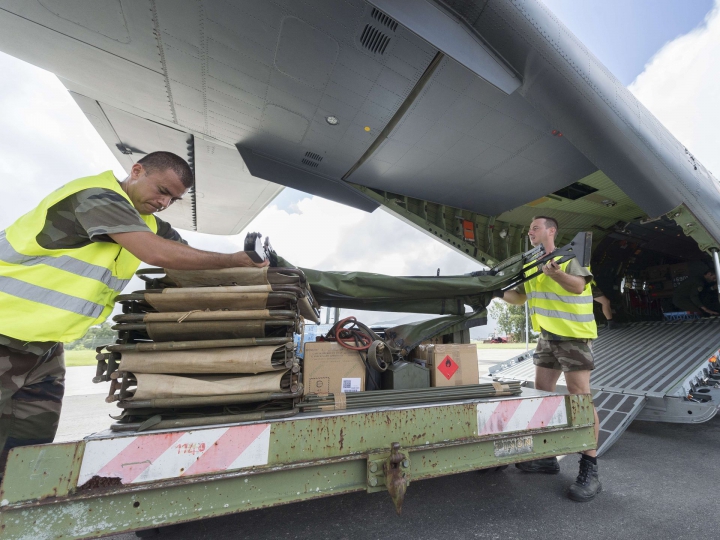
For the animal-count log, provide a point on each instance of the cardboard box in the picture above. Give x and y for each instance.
(329, 368)
(450, 364)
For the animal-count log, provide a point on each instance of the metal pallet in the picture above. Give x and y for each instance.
(615, 412)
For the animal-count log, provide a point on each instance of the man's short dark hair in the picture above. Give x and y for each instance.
(162, 161)
(549, 222)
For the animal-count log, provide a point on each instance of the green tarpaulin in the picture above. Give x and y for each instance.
(462, 299)
(443, 295)
(409, 336)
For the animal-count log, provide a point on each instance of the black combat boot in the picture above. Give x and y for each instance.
(587, 484)
(545, 465)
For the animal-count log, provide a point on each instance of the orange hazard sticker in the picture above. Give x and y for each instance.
(448, 367)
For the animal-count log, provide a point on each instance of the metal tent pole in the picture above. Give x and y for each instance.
(716, 260)
(527, 318)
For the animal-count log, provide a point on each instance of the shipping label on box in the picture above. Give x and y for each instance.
(351, 384)
(329, 368)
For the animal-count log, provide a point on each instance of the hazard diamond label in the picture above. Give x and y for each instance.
(448, 367)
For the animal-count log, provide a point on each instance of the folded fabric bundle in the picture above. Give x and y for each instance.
(152, 386)
(225, 360)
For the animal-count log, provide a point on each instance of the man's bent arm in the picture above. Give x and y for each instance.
(514, 297)
(156, 251)
(572, 284)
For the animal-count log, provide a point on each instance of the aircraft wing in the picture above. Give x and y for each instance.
(436, 109)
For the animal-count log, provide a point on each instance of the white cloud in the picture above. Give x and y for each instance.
(680, 87)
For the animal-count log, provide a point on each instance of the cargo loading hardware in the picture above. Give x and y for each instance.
(189, 429)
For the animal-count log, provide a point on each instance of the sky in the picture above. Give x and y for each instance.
(625, 34)
(666, 51)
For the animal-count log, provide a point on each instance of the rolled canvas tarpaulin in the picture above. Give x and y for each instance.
(229, 360)
(196, 330)
(151, 386)
(233, 276)
(225, 289)
(216, 278)
(180, 300)
(218, 315)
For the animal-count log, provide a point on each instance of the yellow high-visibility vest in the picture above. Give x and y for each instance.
(558, 311)
(58, 294)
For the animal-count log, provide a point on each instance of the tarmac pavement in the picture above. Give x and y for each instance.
(84, 409)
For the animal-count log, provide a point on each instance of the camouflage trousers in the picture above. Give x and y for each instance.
(31, 392)
(568, 355)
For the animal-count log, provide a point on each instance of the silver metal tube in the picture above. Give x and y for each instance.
(716, 260)
(527, 317)
(527, 328)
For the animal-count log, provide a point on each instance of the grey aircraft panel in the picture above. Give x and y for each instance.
(94, 112)
(302, 180)
(491, 151)
(457, 41)
(225, 196)
(425, 109)
(131, 137)
(67, 49)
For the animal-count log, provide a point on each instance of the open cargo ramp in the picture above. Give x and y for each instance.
(645, 371)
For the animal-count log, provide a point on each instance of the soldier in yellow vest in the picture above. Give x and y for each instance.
(561, 307)
(61, 266)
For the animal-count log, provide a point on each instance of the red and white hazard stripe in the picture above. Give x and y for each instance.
(520, 414)
(144, 458)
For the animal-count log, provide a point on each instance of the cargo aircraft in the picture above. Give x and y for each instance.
(463, 118)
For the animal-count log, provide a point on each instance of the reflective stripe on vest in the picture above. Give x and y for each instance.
(562, 315)
(57, 294)
(574, 299)
(59, 300)
(64, 262)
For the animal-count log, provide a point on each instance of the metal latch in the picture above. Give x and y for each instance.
(391, 472)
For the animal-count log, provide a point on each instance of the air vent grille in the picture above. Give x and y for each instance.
(374, 40)
(313, 155)
(384, 19)
(309, 162)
